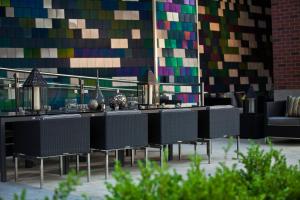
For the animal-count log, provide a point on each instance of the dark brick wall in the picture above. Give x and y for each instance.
(286, 43)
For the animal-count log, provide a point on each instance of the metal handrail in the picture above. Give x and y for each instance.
(70, 76)
(100, 78)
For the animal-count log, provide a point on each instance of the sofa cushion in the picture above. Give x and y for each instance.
(284, 121)
(292, 106)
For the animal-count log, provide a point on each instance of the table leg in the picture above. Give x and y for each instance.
(2, 152)
(66, 164)
(170, 153)
(121, 157)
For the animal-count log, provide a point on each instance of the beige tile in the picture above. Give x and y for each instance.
(214, 26)
(126, 15)
(136, 33)
(232, 58)
(244, 80)
(201, 10)
(233, 73)
(10, 12)
(119, 43)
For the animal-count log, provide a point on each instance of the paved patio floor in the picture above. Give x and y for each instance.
(29, 178)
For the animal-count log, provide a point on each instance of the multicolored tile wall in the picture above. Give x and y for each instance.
(78, 36)
(116, 36)
(235, 45)
(177, 47)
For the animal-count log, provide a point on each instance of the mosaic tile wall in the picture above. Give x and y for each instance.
(177, 47)
(78, 36)
(235, 44)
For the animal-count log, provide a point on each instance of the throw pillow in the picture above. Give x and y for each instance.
(290, 106)
(298, 112)
(295, 106)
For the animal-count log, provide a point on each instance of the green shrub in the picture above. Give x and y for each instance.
(63, 190)
(263, 176)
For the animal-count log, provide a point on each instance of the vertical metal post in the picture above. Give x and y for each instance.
(161, 155)
(155, 39)
(146, 155)
(81, 82)
(17, 87)
(16, 168)
(106, 164)
(41, 173)
(195, 148)
(77, 164)
(88, 167)
(179, 151)
(117, 155)
(61, 165)
(238, 146)
(209, 146)
(132, 157)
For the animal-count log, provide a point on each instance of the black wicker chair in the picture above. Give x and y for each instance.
(52, 136)
(278, 125)
(173, 126)
(218, 122)
(119, 130)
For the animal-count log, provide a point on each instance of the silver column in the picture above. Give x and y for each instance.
(16, 168)
(88, 167)
(132, 157)
(77, 164)
(106, 164)
(41, 173)
(209, 149)
(179, 151)
(61, 165)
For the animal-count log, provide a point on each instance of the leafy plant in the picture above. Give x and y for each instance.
(263, 176)
(63, 190)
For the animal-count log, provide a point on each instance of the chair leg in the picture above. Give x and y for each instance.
(132, 157)
(179, 151)
(161, 155)
(117, 155)
(209, 150)
(77, 164)
(41, 172)
(61, 165)
(88, 167)
(16, 168)
(195, 148)
(106, 164)
(238, 146)
(146, 155)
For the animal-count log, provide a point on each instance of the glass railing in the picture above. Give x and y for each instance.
(72, 95)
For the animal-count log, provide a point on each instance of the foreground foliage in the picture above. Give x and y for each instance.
(262, 176)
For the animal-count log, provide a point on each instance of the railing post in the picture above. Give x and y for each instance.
(81, 82)
(17, 90)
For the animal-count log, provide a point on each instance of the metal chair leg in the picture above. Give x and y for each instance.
(146, 155)
(195, 148)
(88, 167)
(16, 168)
(132, 157)
(106, 164)
(61, 165)
(179, 151)
(161, 155)
(77, 164)
(209, 150)
(117, 155)
(41, 173)
(238, 146)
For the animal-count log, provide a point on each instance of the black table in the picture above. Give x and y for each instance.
(252, 125)
(15, 117)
